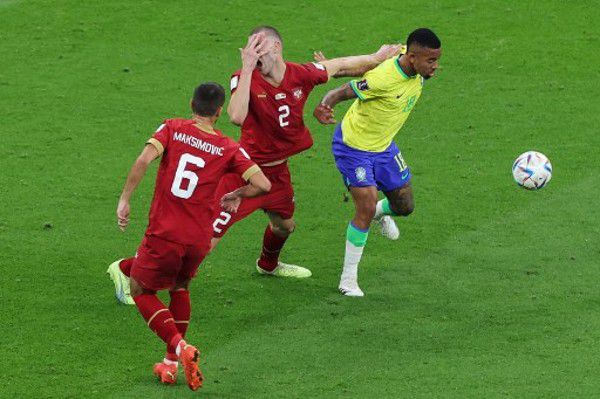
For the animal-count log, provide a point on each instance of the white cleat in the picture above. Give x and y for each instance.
(389, 229)
(121, 283)
(350, 288)
(286, 270)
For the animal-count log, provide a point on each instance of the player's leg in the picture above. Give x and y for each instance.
(357, 232)
(180, 307)
(276, 234)
(357, 169)
(280, 206)
(156, 268)
(393, 177)
(119, 272)
(158, 317)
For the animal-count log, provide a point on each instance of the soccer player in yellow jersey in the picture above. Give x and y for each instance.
(363, 145)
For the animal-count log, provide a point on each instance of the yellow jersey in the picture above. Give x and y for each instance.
(386, 95)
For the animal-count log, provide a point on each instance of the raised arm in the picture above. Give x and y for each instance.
(136, 174)
(357, 65)
(238, 105)
(324, 111)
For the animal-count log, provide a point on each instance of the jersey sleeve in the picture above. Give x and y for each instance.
(315, 73)
(160, 139)
(372, 85)
(233, 83)
(241, 163)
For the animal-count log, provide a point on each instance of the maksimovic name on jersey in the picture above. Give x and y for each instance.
(197, 143)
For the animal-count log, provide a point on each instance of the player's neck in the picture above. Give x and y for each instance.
(406, 67)
(275, 77)
(206, 124)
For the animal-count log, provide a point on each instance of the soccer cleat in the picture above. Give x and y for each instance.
(166, 372)
(190, 358)
(285, 270)
(350, 287)
(121, 283)
(389, 229)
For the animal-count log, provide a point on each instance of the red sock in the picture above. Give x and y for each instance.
(272, 245)
(181, 309)
(158, 317)
(125, 266)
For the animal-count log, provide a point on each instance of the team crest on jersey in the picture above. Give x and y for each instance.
(298, 93)
(361, 174)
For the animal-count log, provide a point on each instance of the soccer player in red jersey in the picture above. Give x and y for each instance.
(268, 97)
(194, 158)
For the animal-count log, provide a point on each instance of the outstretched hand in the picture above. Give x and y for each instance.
(388, 51)
(324, 114)
(231, 201)
(318, 56)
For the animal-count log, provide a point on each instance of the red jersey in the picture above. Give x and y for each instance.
(274, 127)
(192, 164)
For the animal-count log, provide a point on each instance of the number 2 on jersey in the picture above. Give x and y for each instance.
(284, 112)
(188, 175)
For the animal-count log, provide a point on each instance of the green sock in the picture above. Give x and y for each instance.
(357, 237)
(383, 208)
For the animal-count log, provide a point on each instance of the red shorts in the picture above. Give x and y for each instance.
(159, 263)
(279, 200)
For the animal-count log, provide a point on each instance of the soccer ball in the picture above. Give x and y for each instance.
(532, 170)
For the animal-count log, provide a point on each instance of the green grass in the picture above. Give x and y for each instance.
(491, 292)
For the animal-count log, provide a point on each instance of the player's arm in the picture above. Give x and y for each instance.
(258, 184)
(240, 86)
(357, 65)
(136, 174)
(324, 111)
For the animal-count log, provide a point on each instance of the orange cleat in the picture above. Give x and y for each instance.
(190, 358)
(166, 372)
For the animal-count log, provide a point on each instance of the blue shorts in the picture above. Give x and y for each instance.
(385, 170)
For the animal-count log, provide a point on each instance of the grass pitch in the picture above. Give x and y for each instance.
(491, 292)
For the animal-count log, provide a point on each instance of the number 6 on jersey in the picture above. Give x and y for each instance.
(181, 174)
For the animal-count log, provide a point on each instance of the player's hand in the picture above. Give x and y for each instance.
(318, 56)
(255, 48)
(388, 51)
(231, 202)
(123, 214)
(324, 114)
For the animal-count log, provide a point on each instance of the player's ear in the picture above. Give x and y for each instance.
(218, 113)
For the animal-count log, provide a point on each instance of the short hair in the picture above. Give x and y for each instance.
(423, 37)
(208, 98)
(269, 30)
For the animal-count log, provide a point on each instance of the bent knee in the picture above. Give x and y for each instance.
(284, 229)
(403, 208)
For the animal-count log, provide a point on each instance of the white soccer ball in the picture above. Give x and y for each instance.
(532, 170)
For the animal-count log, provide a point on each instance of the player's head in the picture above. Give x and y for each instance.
(274, 47)
(424, 49)
(208, 100)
